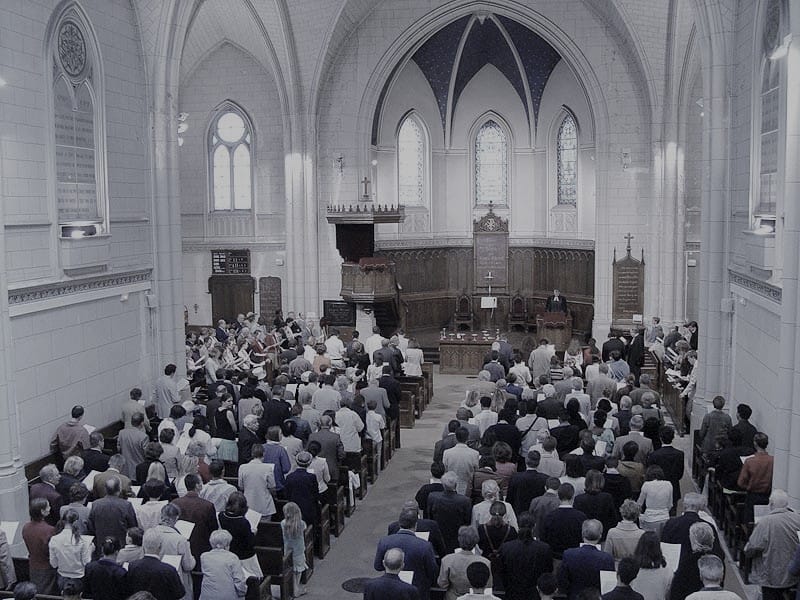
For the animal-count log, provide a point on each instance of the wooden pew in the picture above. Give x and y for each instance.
(407, 400)
(427, 375)
(371, 457)
(344, 483)
(415, 385)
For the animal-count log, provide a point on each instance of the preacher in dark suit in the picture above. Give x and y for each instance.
(580, 568)
(418, 554)
(149, 574)
(556, 303)
(670, 460)
(389, 586)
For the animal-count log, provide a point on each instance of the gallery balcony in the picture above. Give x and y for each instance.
(369, 281)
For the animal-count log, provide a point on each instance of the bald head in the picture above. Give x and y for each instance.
(393, 560)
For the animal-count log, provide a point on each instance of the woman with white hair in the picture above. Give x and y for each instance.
(223, 576)
(490, 490)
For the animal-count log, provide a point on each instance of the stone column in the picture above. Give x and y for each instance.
(787, 447)
(13, 486)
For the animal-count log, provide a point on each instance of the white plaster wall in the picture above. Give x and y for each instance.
(90, 353)
(30, 241)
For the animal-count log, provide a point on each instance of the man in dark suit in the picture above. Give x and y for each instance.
(199, 511)
(332, 447)
(423, 525)
(676, 530)
(527, 485)
(46, 488)
(94, 459)
(392, 387)
(302, 489)
(580, 567)
(149, 574)
(450, 510)
(73, 467)
(611, 344)
(670, 459)
(446, 442)
(418, 554)
(616, 484)
(562, 529)
(389, 586)
(549, 407)
(111, 516)
(435, 485)
(248, 436)
(276, 409)
(389, 358)
(221, 332)
(627, 570)
(636, 352)
(556, 303)
(104, 578)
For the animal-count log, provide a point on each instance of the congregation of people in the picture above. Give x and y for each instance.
(552, 471)
(559, 477)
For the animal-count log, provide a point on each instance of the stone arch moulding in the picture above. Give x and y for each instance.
(414, 36)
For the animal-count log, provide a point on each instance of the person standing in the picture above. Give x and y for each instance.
(166, 391)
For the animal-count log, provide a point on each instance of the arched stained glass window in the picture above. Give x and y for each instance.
(491, 164)
(411, 162)
(567, 161)
(230, 143)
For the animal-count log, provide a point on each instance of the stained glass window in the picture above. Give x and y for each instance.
(567, 161)
(491, 164)
(230, 141)
(411, 163)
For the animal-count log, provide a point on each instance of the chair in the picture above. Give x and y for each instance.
(518, 314)
(463, 317)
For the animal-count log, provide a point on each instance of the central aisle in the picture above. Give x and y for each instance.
(352, 554)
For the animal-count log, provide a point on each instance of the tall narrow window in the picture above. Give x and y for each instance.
(230, 143)
(491, 165)
(77, 122)
(411, 163)
(567, 161)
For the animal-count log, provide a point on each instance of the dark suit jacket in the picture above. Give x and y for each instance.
(201, 512)
(610, 345)
(549, 408)
(598, 506)
(450, 510)
(521, 564)
(562, 530)
(636, 352)
(442, 445)
(434, 537)
(332, 450)
(418, 558)
(524, 487)
(64, 484)
(105, 580)
(149, 574)
(94, 460)
(622, 593)
(392, 387)
(552, 306)
(580, 569)
(508, 433)
(676, 531)
(389, 587)
(567, 438)
(671, 462)
(246, 441)
(302, 489)
(618, 486)
(422, 496)
(111, 516)
(49, 493)
(276, 411)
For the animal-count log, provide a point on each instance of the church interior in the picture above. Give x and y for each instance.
(459, 171)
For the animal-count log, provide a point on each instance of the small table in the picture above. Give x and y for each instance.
(464, 356)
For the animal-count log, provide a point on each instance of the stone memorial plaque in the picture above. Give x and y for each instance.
(490, 252)
(269, 295)
(628, 287)
(339, 313)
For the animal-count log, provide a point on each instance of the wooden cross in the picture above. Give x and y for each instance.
(365, 182)
(629, 237)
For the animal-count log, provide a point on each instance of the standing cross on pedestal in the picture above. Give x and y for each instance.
(489, 278)
(629, 237)
(365, 183)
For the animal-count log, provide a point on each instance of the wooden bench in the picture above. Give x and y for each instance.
(337, 504)
(407, 400)
(373, 463)
(415, 385)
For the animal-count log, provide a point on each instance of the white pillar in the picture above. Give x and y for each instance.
(13, 486)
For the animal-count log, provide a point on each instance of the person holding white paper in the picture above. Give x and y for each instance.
(70, 438)
(173, 543)
(453, 571)
(223, 576)
(655, 577)
(149, 574)
(105, 577)
(69, 551)
(390, 585)
(234, 520)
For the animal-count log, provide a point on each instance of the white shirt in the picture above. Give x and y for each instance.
(522, 372)
(485, 419)
(375, 423)
(335, 348)
(350, 425)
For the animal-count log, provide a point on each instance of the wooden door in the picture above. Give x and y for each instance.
(231, 295)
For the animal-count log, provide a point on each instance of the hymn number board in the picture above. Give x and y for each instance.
(490, 251)
(230, 262)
